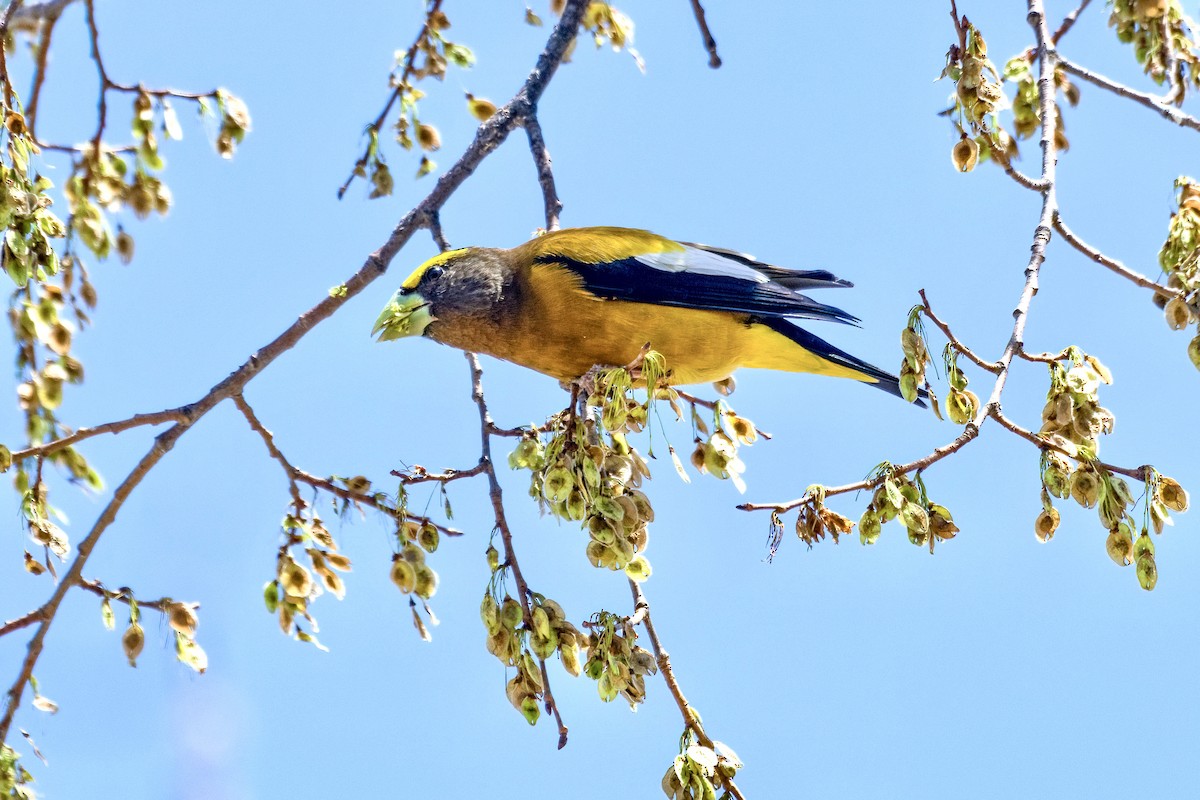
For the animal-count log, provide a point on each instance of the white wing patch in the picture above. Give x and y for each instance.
(703, 262)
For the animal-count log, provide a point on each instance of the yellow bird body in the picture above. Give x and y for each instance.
(573, 299)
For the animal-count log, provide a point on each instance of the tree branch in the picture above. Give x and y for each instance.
(1069, 21)
(181, 414)
(269, 440)
(710, 44)
(691, 719)
(1112, 264)
(1148, 100)
(991, 366)
(496, 494)
(541, 159)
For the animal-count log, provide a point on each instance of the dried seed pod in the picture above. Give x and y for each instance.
(133, 640)
(1171, 494)
(1046, 524)
(965, 154)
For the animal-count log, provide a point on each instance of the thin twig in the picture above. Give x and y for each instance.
(710, 44)
(691, 719)
(419, 474)
(1148, 100)
(433, 221)
(155, 418)
(37, 615)
(496, 494)
(541, 159)
(269, 440)
(991, 366)
(1068, 21)
(39, 73)
(1111, 263)
(375, 501)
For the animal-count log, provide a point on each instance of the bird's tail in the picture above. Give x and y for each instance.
(840, 363)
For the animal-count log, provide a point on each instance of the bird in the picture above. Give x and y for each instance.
(576, 298)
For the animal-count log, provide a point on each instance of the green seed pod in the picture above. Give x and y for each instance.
(511, 613)
(530, 709)
(1120, 545)
(1085, 487)
(557, 485)
(1194, 352)
(428, 537)
(403, 575)
(543, 647)
(541, 622)
(869, 527)
(915, 518)
(493, 558)
(489, 612)
(1147, 572)
(427, 580)
(1056, 477)
(1143, 546)
(576, 506)
(570, 659)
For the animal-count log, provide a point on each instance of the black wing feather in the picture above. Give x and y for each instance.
(630, 279)
(791, 278)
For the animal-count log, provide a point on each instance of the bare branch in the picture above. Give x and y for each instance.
(541, 159)
(419, 474)
(269, 440)
(496, 494)
(1148, 100)
(181, 414)
(991, 366)
(710, 44)
(1112, 264)
(690, 718)
(1069, 21)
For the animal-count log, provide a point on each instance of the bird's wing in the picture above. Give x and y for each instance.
(641, 267)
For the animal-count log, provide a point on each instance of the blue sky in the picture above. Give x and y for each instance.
(999, 667)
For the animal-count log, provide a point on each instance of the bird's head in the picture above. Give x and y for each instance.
(457, 283)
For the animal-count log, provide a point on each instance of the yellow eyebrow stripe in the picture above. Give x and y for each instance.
(439, 260)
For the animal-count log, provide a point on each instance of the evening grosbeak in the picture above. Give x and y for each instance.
(573, 299)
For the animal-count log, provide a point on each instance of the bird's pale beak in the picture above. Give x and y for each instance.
(404, 315)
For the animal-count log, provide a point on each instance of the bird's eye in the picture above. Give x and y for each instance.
(435, 272)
